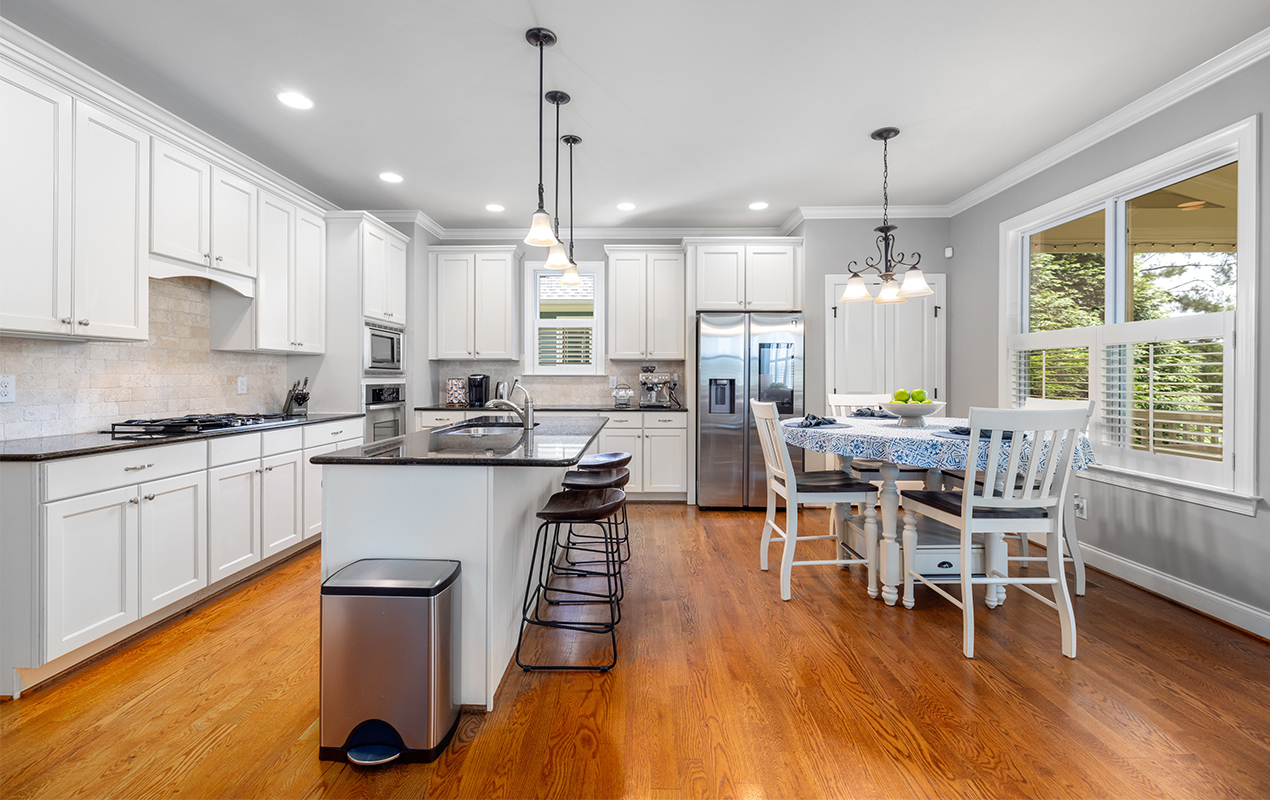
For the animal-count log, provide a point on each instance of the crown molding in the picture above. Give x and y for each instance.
(417, 217)
(1223, 65)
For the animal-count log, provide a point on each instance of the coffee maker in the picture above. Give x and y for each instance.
(655, 388)
(478, 391)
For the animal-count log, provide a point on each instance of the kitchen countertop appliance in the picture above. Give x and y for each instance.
(656, 389)
(478, 393)
(755, 356)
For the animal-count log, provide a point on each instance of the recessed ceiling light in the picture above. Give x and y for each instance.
(295, 100)
(390, 177)
(625, 206)
(493, 207)
(758, 206)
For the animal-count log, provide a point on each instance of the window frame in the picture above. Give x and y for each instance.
(1237, 142)
(530, 364)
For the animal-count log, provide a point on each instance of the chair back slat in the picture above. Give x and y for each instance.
(775, 452)
(844, 405)
(1038, 478)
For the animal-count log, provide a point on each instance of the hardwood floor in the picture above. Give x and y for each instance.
(722, 690)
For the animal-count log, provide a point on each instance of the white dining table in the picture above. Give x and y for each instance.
(930, 447)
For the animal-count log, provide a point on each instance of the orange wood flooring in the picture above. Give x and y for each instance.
(722, 690)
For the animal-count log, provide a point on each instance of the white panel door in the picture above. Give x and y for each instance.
(281, 502)
(233, 518)
(173, 539)
(769, 278)
(666, 460)
(456, 300)
(180, 207)
(90, 573)
(233, 223)
(395, 272)
(859, 363)
(915, 342)
(628, 283)
(112, 185)
(308, 287)
(35, 204)
(313, 489)
(494, 331)
(374, 273)
(666, 318)
(273, 274)
(720, 277)
(620, 440)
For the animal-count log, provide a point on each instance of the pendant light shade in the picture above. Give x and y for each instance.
(890, 294)
(570, 277)
(557, 258)
(540, 233)
(856, 291)
(915, 284)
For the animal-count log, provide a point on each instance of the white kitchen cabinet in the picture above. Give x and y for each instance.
(181, 213)
(475, 303)
(646, 303)
(308, 284)
(90, 574)
(721, 277)
(282, 502)
(274, 325)
(395, 271)
(233, 224)
(665, 460)
(626, 440)
(769, 278)
(313, 481)
(173, 539)
(748, 275)
(383, 274)
(233, 518)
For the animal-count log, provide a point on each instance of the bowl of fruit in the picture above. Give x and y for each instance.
(912, 407)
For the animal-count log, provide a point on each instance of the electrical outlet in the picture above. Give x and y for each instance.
(242, 384)
(612, 381)
(8, 389)
(1081, 504)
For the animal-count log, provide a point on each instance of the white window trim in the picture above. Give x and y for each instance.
(530, 364)
(1236, 142)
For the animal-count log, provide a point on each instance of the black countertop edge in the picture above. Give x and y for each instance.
(565, 439)
(548, 408)
(47, 448)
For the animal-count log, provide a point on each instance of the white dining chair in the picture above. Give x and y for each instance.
(824, 486)
(1022, 496)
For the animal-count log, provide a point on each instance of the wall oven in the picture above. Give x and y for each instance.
(384, 349)
(385, 407)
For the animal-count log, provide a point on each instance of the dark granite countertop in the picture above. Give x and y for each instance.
(548, 408)
(45, 448)
(554, 442)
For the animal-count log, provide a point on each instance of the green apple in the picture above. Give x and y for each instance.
(901, 395)
(919, 395)
(926, 402)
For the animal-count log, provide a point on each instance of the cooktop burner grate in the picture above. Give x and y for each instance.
(190, 423)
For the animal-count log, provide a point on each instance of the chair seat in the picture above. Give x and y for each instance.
(588, 505)
(873, 465)
(603, 461)
(950, 503)
(829, 481)
(597, 479)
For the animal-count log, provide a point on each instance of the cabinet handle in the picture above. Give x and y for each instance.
(665, 420)
(133, 500)
(139, 466)
(84, 322)
(336, 433)
(149, 497)
(299, 344)
(67, 320)
(220, 258)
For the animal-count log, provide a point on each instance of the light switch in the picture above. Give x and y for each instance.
(242, 384)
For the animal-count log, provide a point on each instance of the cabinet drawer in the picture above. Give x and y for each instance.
(327, 432)
(624, 419)
(439, 419)
(231, 449)
(677, 419)
(76, 476)
(273, 442)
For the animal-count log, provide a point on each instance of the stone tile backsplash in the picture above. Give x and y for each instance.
(560, 390)
(78, 387)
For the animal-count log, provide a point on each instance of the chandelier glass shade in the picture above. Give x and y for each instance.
(557, 258)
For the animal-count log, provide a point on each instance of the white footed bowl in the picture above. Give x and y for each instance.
(913, 415)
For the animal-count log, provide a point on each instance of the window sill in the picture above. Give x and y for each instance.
(1200, 494)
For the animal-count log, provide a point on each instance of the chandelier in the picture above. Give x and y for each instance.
(540, 231)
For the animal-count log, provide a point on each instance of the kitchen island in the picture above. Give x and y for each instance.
(468, 492)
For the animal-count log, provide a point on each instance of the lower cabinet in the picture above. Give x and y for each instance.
(233, 519)
(173, 539)
(658, 444)
(282, 502)
(624, 440)
(313, 484)
(665, 460)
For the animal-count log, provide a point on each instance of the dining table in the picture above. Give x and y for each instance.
(932, 447)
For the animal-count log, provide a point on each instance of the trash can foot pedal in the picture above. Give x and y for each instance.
(370, 755)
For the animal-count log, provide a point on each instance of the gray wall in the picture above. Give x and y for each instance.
(1222, 552)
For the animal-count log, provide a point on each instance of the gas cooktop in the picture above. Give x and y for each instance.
(190, 423)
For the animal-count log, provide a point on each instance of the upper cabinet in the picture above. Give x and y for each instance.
(202, 214)
(646, 302)
(383, 275)
(73, 222)
(475, 303)
(754, 275)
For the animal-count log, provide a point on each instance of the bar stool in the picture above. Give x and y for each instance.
(603, 479)
(602, 461)
(573, 508)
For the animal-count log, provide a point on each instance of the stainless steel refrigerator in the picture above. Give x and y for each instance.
(742, 357)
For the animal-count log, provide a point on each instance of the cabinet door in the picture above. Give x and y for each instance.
(281, 502)
(666, 461)
(273, 274)
(666, 315)
(173, 539)
(769, 278)
(313, 488)
(233, 223)
(627, 304)
(180, 207)
(395, 280)
(626, 441)
(233, 518)
(35, 204)
(112, 185)
(720, 277)
(374, 273)
(90, 568)
(495, 316)
(308, 288)
(455, 304)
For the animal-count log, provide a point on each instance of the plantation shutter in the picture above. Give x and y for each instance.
(561, 346)
(1055, 373)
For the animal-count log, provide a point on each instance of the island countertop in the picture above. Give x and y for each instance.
(554, 442)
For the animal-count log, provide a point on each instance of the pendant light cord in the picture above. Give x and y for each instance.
(541, 58)
(570, 200)
(558, 170)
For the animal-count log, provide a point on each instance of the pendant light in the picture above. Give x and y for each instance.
(556, 258)
(889, 259)
(540, 233)
(571, 276)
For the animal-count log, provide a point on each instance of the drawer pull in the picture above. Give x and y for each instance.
(133, 500)
(336, 433)
(149, 497)
(138, 467)
(665, 420)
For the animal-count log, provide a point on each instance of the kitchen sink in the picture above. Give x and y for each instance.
(485, 429)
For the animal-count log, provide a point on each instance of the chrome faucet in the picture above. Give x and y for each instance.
(526, 413)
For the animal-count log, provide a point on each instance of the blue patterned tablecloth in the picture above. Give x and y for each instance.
(885, 440)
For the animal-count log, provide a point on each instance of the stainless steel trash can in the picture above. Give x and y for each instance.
(389, 673)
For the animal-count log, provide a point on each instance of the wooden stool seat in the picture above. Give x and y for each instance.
(588, 505)
(599, 479)
(603, 461)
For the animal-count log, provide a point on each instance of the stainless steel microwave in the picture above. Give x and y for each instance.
(385, 350)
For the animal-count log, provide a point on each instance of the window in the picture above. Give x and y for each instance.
(1133, 293)
(565, 323)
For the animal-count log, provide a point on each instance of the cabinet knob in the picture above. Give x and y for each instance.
(84, 322)
(268, 469)
(208, 256)
(299, 344)
(133, 500)
(67, 320)
(220, 258)
(150, 497)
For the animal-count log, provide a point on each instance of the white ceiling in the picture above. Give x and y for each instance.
(690, 110)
